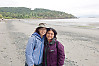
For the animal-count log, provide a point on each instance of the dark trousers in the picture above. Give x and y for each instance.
(34, 65)
(38, 65)
(26, 64)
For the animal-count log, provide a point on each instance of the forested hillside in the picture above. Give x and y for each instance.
(37, 13)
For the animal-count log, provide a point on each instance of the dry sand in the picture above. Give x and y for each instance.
(81, 43)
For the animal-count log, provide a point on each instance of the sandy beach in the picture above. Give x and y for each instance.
(81, 42)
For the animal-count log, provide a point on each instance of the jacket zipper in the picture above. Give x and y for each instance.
(40, 53)
(46, 55)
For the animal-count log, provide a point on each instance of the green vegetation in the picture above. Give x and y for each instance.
(1, 16)
(86, 26)
(38, 13)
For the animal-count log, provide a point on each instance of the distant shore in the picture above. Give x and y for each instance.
(81, 42)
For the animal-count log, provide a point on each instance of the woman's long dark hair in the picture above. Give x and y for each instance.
(55, 32)
(37, 29)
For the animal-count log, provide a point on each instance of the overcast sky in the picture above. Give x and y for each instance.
(75, 7)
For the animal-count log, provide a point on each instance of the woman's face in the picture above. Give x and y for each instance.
(50, 35)
(42, 31)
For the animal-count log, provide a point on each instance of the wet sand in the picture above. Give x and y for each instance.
(81, 43)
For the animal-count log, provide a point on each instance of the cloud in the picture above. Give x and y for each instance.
(75, 7)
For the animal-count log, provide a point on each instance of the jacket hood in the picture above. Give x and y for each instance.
(36, 35)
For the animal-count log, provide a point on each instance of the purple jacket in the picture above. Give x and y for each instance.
(52, 56)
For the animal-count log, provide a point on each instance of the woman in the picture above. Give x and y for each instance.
(53, 54)
(34, 49)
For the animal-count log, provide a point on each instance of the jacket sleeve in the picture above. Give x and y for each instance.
(61, 54)
(29, 51)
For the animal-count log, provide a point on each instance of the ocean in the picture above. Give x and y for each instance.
(65, 22)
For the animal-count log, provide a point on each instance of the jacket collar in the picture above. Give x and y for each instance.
(37, 35)
(51, 42)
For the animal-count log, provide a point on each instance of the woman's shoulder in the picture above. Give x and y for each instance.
(59, 43)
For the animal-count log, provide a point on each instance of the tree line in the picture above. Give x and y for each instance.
(37, 13)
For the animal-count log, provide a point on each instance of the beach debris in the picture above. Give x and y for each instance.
(1, 51)
(2, 19)
(86, 59)
(69, 63)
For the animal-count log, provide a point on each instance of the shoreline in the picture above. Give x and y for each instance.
(81, 45)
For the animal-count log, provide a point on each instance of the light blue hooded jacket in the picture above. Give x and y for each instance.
(34, 50)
